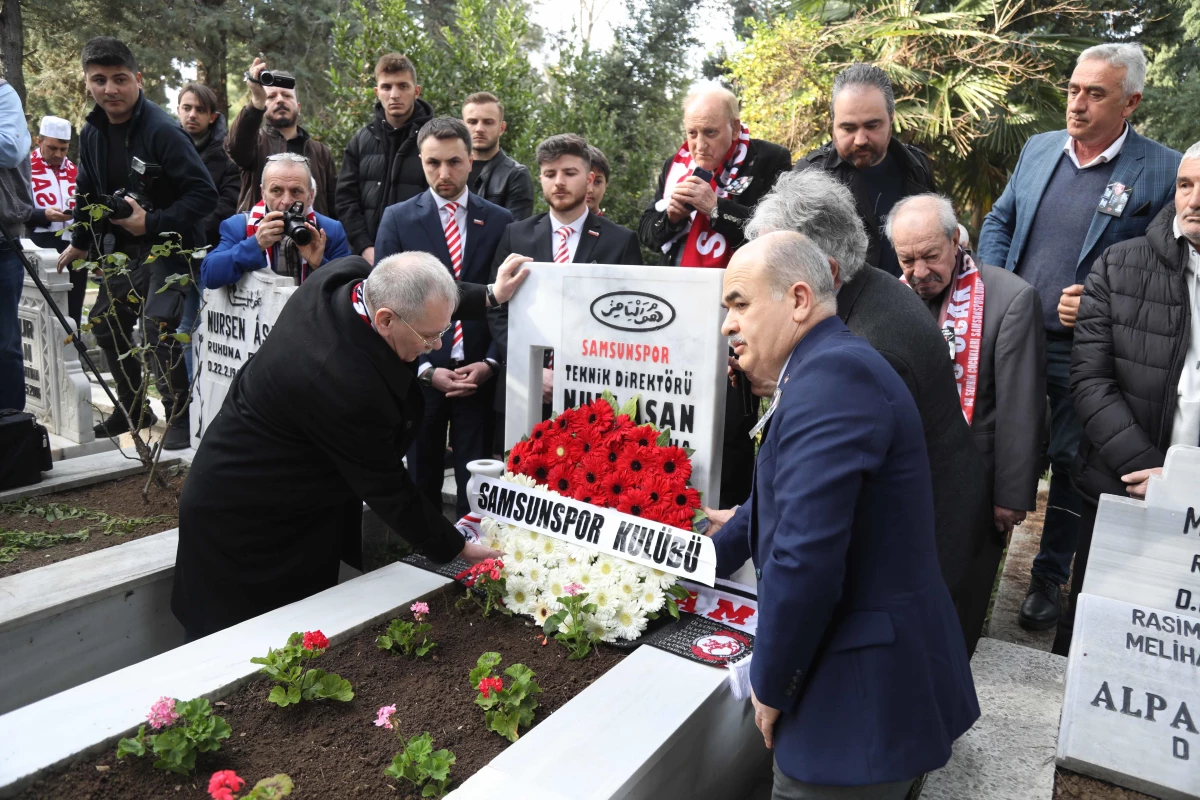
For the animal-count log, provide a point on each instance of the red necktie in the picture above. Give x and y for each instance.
(454, 244)
(562, 255)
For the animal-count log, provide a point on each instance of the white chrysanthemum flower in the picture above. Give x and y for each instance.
(574, 555)
(596, 628)
(520, 595)
(629, 622)
(517, 557)
(520, 480)
(606, 600)
(549, 551)
(555, 587)
(541, 611)
(607, 568)
(591, 579)
(651, 598)
(535, 572)
(664, 579)
(628, 588)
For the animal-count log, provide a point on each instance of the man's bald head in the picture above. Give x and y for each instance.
(924, 233)
(788, 258)
(711, 121)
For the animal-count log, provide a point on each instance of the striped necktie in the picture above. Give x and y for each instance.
(454, 244)
(562, 255)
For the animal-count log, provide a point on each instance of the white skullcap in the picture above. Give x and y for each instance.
(55, 128)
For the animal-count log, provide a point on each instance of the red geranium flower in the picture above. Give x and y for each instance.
(315, 640)
(644, 435)
(674, 463)
(638, 460)
(635, 501)
(598, 415)
(489, 685)
(562, 478)
(223, 784)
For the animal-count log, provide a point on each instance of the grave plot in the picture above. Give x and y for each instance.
(1133, 677)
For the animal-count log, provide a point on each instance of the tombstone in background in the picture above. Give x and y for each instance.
(57, 390)
(648, 331)
(1131, 713)
(234, 321)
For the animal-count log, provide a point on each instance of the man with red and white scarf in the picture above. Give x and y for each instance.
(256, 240)
(52, 179)
(706, 192)
(992, 325)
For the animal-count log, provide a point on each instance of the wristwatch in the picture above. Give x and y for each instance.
(491, 296)
(426, 377)
(715, 214)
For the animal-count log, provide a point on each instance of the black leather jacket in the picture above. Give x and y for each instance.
(507, 183)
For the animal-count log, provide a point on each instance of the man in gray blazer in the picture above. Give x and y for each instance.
(991, 321)
(876, 306)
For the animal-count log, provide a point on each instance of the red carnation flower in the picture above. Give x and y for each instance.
(674, 463)
(635, 501)
(644, 435)
(598, 415)
(315, 640)
(638, 460)
(223, 784)
(562, 477)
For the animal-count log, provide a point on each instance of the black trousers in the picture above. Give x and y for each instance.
(737, 451)
(1066, 621)
(123, 300)
(973, 594)
(471, 421)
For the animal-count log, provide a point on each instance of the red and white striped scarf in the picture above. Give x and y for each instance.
(961, 321)
(52, 188)
(255, 215)
(704, 246)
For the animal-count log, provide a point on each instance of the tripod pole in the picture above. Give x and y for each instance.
(7, 241)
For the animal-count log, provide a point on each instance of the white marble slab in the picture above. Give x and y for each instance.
(1133, 698)
(1009, 753)
(73, 473)
(103, 710)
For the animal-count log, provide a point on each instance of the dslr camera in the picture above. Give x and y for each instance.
(117, 203)
(293, 224)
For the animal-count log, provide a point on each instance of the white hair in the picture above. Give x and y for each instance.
(290, 160)
(819, 206)
(943, 206)
(790, 258)
(728, 98)
(964, 237)
(1193, 151)
(1127, 55)
(407, 282)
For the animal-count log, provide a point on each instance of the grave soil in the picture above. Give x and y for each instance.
(119, 498)
(333, 749)
(1070, 785)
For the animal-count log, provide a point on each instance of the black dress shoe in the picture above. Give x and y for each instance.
(115, 425)
(178, 436)
(1042, 606)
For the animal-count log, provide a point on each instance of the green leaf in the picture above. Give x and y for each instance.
(483, 668)
(688, 451)
(630, 407)
(276, 786)
(384, 642)
(134, 746)
(554, 621)
(283, 696)
(664, 438)
(331, 687)
(185, 338)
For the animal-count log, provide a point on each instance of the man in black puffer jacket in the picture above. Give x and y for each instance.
(1137, 311)
(382, 166)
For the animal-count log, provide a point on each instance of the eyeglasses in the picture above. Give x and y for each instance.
(295, 158)
(429, 341)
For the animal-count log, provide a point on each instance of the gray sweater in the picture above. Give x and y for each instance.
(16, 198)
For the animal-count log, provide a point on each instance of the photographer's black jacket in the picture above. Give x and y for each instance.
(183, 196)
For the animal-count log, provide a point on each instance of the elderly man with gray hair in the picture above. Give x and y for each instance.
(840, 527)
(990, 320)
(314, 425)
(1073, 194)
(877, 307)
(259, 238)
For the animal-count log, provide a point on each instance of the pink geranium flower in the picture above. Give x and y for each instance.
(573, 588)
(419, 611)
(162, 713)
(383, 717)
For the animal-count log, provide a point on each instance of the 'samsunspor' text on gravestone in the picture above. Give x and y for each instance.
(1131, 713)
(648, 331)
(234, 322)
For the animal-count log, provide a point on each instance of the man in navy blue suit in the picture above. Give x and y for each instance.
(859, 674)
(463, 230)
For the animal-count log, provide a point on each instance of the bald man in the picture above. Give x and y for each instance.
(989, 318)
(706, 192)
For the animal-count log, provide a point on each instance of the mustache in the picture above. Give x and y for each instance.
(931, 278)
(735, 340)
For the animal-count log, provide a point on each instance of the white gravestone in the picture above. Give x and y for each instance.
(648, 331)
(57, 390)
(233, 322)
(1132, 703)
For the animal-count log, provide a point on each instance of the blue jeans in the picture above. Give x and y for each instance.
(191, 307)
(1060, 534)
(12, 359)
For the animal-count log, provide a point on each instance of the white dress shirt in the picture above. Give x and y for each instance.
(1103, 158)
(573, 239)
(1186, 428)
(460, 216)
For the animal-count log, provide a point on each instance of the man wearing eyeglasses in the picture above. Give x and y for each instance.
(256, 239)
(313, 426)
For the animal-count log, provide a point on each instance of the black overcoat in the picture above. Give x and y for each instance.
(314, 425)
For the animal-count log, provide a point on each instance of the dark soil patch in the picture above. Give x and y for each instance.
(333, 749)
(120, 498)
(1073, 786)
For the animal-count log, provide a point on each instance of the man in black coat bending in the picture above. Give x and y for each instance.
(313, 426)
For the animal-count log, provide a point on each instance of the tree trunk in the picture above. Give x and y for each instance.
(12, 46)
(212, 72)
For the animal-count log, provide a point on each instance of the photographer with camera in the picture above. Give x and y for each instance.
(273, 101)
(135, 160)
(281, 232)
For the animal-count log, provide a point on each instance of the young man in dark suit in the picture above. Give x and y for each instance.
(462, 230)
(567, 233)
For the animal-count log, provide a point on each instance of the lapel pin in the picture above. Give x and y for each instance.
(785, 378)
(478, 222)
(593, 233)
